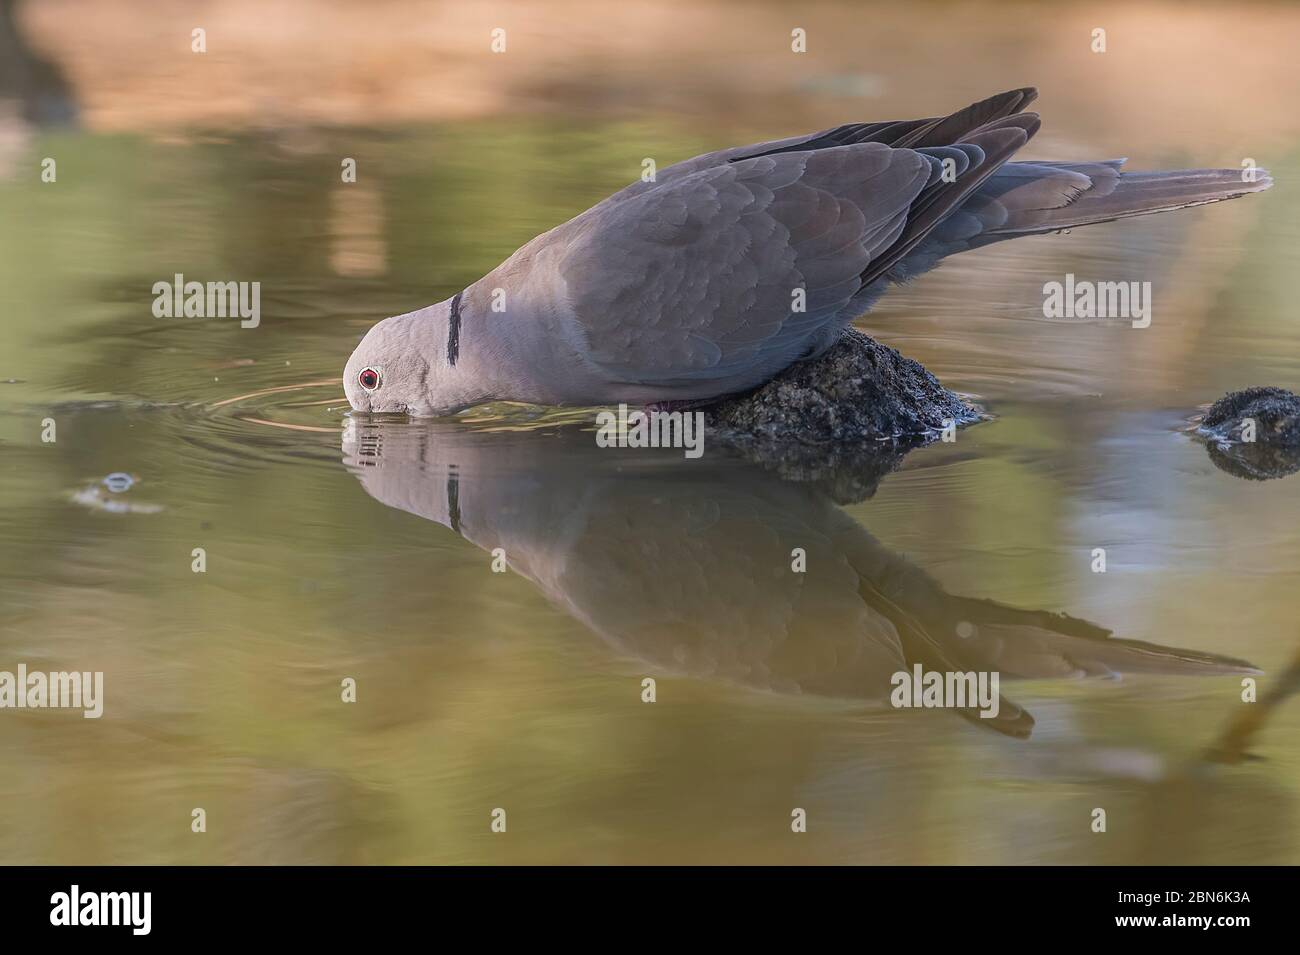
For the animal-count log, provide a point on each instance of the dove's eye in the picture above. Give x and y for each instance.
(368, 379)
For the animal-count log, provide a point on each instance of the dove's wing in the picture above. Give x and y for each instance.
(697, 280)
(729, 274)
(911, 133)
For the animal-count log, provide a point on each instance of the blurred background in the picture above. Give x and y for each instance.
(478, 690)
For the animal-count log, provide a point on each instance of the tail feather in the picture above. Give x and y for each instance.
(1039, 644)
(1034, 197)
(1029, 198)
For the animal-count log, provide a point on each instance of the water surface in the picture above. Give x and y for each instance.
(340, 548)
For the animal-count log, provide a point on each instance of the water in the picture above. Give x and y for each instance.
(342, 548)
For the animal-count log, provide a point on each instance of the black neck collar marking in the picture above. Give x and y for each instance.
(453, 499)
(453, 330)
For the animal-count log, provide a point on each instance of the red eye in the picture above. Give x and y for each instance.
(368, 379)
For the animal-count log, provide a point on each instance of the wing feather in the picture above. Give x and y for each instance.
(695, 277)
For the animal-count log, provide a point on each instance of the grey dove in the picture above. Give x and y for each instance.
(689, 569)
(731, 266)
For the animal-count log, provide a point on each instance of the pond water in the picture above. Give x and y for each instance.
(340, 548)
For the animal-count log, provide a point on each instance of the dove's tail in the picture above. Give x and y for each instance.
(1037, 644)
(1025, 198)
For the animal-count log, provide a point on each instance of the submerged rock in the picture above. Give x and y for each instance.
(1254, 433)
(844, 419)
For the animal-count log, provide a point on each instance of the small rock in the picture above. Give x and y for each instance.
(844, 419)
(1275, 450)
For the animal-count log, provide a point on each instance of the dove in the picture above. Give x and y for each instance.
(731, 266)
(690, 570)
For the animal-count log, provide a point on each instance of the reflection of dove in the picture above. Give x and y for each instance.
(691, 570)
(722, 270)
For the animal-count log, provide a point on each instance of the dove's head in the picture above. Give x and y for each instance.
(402, 366)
